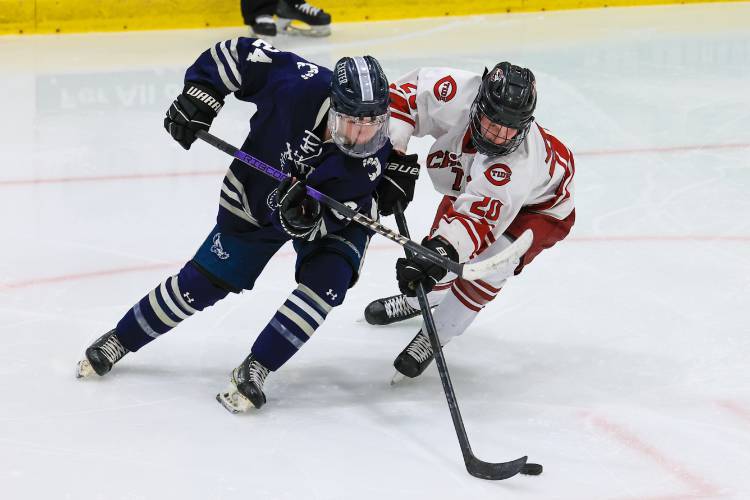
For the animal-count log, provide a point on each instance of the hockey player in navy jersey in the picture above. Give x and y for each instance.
(324, 128)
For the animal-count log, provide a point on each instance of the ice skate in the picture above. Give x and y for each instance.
(302, 19)
(390, 310)
(414, 359)
(246, 387)
(263, 27)
(101, 356)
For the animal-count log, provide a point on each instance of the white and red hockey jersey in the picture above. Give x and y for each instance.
(531, 187)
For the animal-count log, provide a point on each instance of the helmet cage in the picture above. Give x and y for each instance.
(480, 135)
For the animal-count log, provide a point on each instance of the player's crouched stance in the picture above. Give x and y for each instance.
(501, 174)
(326, 129)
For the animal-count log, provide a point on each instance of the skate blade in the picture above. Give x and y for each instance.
(84, 369)
(397, 377)
(297, 28)
(233, 401)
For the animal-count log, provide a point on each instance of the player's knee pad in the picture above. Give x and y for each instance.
(350, 244)
(194, 289)
(326, 276)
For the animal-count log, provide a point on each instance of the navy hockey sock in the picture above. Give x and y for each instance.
(175, 299)
(324, 280)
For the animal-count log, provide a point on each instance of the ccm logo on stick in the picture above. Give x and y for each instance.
(498, 174)
(445, 89)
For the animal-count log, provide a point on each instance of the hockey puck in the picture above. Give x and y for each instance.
(532, 469)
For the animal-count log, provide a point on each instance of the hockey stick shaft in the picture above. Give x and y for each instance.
(474, 466)
(339, 207)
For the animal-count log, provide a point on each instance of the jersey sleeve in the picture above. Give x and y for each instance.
(241, 66)
(403, 106)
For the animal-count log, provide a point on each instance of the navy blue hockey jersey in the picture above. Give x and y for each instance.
(292, 97)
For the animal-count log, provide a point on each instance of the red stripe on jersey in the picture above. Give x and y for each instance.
(446, 203)
(398, 102)
(469, 230)
(557, 154)
(465, 300)
(405, 118)
(488, 241)
(478, 229)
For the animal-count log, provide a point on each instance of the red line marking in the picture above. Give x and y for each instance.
(637, 238)
(15, 285)
(149, 267)
(734, 408)
(204, 173)
(80, 276)
(697, 484)
(108, 178)
(667, 149)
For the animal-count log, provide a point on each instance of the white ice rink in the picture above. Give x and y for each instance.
(618, 359)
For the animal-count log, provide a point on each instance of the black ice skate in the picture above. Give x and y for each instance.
(101, 355)
(263, 27)
(415, 358)
(246, 387)
(389, 310)
(318, 21)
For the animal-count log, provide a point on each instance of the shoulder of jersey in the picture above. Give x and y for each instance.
(446, 83)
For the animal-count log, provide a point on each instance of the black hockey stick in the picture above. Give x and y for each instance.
(475, 467)
(467, 270)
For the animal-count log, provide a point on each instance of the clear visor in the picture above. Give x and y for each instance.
(358, 137)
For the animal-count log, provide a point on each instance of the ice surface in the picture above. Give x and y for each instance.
(619, 359)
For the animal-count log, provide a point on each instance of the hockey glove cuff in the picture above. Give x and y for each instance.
(416, 269)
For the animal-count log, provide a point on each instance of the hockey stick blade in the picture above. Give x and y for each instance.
(476, 270)
(494, 472)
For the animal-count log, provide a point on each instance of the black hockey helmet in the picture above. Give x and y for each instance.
(358, 118)
(506, 97)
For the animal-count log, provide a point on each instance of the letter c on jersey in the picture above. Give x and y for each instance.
(498, 174)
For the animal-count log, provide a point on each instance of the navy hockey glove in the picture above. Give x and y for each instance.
(397, 183)
(299, 214)
(415, 269)
(194, 109)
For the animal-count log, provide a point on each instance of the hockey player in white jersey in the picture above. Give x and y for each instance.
(501, 173)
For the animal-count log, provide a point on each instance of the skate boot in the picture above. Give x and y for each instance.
(416, 357)
(263, 27)
(246, 387)
(101, 355)
(390, 310)
(318, 21)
